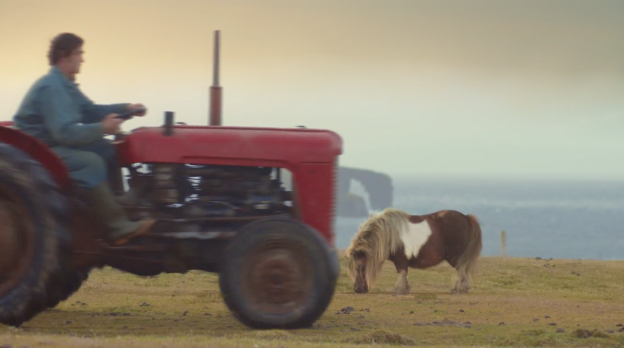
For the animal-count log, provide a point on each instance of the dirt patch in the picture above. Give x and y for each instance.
(349, 309)
(381, 337)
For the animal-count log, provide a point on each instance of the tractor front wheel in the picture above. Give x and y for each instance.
(277, 273)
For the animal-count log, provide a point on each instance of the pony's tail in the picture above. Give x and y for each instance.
(467, 261)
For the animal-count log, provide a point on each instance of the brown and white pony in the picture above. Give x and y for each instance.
(414, 241)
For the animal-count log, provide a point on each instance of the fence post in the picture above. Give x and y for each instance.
(503, 243)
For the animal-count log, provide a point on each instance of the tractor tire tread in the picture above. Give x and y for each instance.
(48, 209)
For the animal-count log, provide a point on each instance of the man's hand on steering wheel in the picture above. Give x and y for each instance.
(132, 107)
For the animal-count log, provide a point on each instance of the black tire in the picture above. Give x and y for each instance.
(66, 284)
(304, 252)
(36, 211)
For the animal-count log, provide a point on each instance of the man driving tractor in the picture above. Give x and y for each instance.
(56, 112)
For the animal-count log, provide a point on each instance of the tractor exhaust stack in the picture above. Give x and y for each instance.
(215, 89)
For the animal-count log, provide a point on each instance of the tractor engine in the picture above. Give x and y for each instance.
(199, 193)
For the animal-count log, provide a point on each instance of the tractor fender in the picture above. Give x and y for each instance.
(39, 151)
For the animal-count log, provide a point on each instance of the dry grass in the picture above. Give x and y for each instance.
(514, 302)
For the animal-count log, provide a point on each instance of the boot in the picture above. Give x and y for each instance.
(115, 181)
(110, 213)
(128, 198)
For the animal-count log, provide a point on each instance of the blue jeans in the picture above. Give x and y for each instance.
(88, 165)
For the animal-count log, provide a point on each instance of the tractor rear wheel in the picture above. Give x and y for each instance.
(34, 240)
(277, 273)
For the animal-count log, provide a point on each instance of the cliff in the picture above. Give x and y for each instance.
(378, 186)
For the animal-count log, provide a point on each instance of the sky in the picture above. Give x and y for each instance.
(513, 89)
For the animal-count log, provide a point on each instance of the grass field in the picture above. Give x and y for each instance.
(514, 302)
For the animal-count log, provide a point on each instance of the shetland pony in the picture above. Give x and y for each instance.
(414, 241)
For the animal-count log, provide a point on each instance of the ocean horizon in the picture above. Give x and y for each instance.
(570, 219)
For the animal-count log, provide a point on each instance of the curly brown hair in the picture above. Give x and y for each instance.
(62, 46)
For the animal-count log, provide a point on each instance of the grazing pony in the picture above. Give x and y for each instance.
(414, 241)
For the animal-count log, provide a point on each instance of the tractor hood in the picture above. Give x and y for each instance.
(230, 145)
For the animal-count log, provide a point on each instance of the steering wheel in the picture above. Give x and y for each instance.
(128, 114)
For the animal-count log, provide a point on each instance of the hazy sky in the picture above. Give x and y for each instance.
(515, 88)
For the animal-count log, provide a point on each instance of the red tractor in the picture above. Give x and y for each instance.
(255, 205)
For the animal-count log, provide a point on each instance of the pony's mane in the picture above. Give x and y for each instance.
(377, 238)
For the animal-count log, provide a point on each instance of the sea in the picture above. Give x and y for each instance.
(541, 218)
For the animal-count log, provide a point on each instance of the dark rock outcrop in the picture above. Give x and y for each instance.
(378, 186)
(351, 205)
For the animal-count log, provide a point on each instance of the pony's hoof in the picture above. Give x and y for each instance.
(458, 292)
